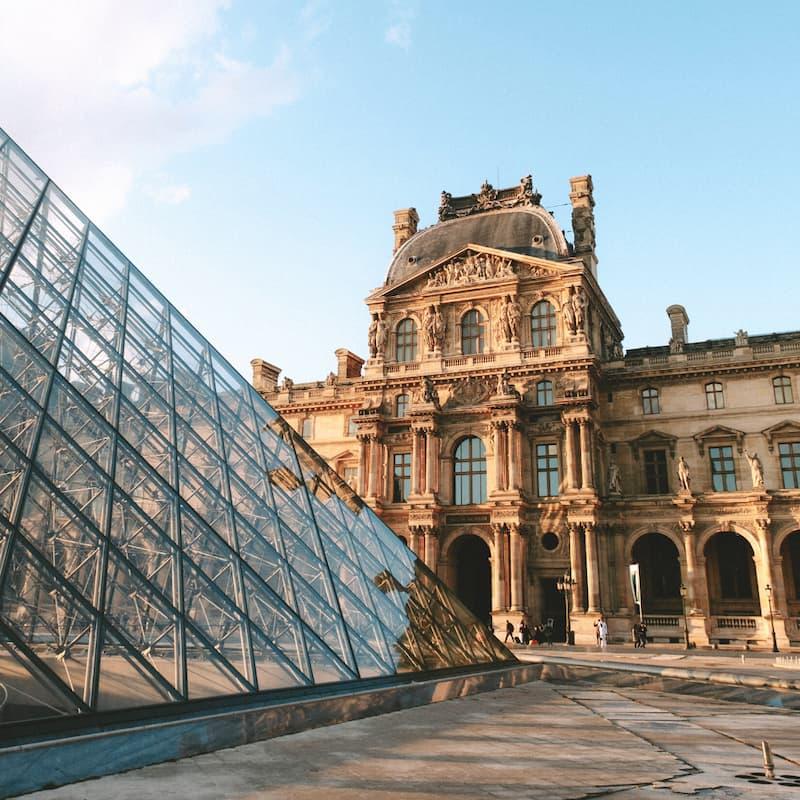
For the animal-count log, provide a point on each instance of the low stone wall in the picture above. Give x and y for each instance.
(37, 765)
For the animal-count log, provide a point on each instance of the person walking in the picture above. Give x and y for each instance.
(635, 634)
(509, 631)
(642, 634)
(602, 632)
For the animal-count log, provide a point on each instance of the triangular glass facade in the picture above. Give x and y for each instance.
(164, 534)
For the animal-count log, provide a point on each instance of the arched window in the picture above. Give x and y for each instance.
(650, 403)
(406, 349)
(469, 472)
(544, 393)
(782, 386)
(714, 396)
(401, 405)
(471, 333)
(543, 324)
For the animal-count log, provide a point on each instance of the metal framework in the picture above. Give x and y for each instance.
(164, 534)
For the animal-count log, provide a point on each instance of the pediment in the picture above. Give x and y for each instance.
(651, 439)
(786, 428)
(475, 265)
(717, 432)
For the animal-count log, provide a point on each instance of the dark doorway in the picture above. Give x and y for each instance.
(659, 573)
(790, 560)
(474, 575)
(553, 607)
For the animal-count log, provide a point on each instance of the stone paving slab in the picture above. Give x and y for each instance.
(538, 741)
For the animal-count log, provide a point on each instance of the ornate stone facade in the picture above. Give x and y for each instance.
(498, 427)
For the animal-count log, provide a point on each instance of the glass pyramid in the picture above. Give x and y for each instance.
(164, 534)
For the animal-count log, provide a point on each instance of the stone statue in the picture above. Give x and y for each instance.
(439, 329)
(429, 328)
(445, 206)
(427, 391)
(510, 316)
(684, 476)
(503, 386)
(287, 385)
(380, 336)
(372, 336)
(579, 303)
(614, 481)
(756, 469)
(331, 379)
(568, 311)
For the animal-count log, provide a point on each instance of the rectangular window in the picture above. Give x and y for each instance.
(790, 464)
(352, 426)
(723, 469)
(351, 477)
(714, 396)
(401, 482)
(547, 470)
(782, 387)
(650, 404)
(655, 472)
(307, 430)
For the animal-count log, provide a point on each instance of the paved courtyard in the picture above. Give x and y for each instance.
(540, 740)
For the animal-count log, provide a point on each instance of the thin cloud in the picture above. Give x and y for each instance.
(170, 194)
(401, 17)
(116, 89)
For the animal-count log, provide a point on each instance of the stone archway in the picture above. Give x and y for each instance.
(731, 575)
(790, 562)
(659, 573)
(471, 564)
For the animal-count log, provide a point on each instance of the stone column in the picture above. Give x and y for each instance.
(363, 465)
(415, 461)
(431, 549)
(586, 455)
(691, 567)
(569, 453)
(432, 464)
(413, 540)
(575, 567)
(498, 587)
(514, 456)
(374, 447)
(592, 572)
(499, 454)
(515, 549)
(764, 568)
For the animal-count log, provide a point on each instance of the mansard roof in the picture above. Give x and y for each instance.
(529, 230)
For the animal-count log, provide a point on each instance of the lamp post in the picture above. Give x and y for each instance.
(565, 584)
(687, 643)
(768, 590)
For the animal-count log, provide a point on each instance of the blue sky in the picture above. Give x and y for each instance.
(248, 156)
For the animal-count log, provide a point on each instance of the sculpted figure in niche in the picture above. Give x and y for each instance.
(579, 303)
(380, 335)
(569, 315)
(756, 469)
(614, 481)
(427, 391)
(684, 476)
(434, 328)
(372, 336)
(510, 317)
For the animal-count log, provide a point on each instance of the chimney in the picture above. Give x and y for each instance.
(679, 325)
(265, 376)
(348, 365)
(582, 199)
(405, 226)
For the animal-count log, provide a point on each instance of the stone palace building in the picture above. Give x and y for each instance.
(500, 430)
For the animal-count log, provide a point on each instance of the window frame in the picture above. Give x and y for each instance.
(785, 383)
(727, 476)
(406, 340)
(401, 480)
(651, 400)
(307, 421)
(546, 391)
(478, 338)
(716, 390)
(467, 476)
(406, 403)
(660, 481)
(547, 469)
(544, 335)
(792, 468)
